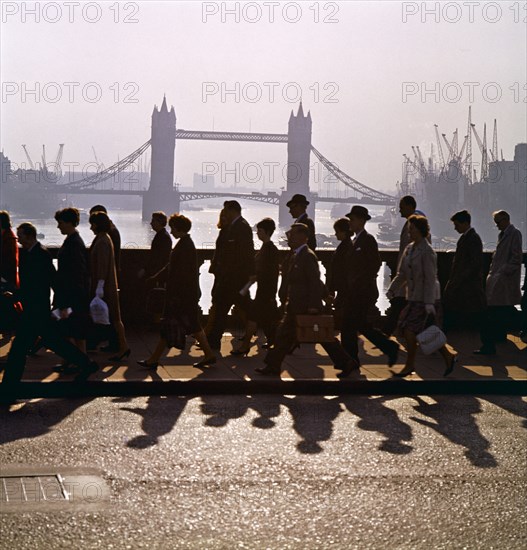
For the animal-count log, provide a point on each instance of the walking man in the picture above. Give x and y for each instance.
(362, 293)
(464, 297)
(37, 276)
(304, 295)
(233, 266)
(503, 284)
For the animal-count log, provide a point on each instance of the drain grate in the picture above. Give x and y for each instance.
(32, 489)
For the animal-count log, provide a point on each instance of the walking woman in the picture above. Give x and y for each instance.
(104, 277)
(8, 254)
(263, 310)
(181, 314)
(418, 269)
(72, 287)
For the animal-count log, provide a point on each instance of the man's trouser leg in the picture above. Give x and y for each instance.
(285, 337)
(349, 334)
(53, 340)
(26, 335)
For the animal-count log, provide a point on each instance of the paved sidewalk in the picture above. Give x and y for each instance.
(307, 370)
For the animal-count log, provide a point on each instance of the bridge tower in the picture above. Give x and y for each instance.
(298, 154)
(161, 194)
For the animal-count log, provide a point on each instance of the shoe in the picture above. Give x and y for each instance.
(268, 371)
(484, 351)
(124, 355)
(405, 372)
(451, 365)
(292, 348)
(241, 351)
(110, 348)
(146, 365)
(348, 368)
(66, 368)
(205, 362)
(392, 355)
(86, 371)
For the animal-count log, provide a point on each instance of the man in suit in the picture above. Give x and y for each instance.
(304, 295)
(407, 208)
(37, 276)
(363, 263)
(233, 263)
(464, 297)
(297, 208)
(161, 245)
(503, 284)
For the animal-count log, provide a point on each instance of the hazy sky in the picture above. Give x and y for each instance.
(376, 76)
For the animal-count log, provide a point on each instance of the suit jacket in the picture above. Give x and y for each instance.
(266, 265)
(37, 277)
(233, 261)
(306, 220)
(160, 250)
(73, 276)
(304, 289)
(503, 280)
(418, 269)
(116, 241)
(9, 258)
(362, 265)
(337, 282)
(464, 289)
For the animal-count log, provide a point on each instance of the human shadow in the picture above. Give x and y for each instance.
(376, 417)
(453, 418)
(36, 418)
(158, 419)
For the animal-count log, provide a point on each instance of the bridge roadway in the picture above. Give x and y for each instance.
(185, 196)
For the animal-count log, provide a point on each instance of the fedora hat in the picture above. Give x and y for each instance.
(298, 199)
(359, 212)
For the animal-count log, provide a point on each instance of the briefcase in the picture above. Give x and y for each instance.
(315, 328)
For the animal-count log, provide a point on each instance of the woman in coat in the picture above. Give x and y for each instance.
(181, 314)
(263, 310)
(72, 286)
(8, 254)
(418, 269)
(104, 277)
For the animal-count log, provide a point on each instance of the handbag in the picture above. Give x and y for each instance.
(431, 339)
(99, 311)
(315, 328)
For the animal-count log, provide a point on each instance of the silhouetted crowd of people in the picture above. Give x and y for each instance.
(86, 309)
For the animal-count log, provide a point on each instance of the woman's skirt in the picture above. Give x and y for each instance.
(415, 318)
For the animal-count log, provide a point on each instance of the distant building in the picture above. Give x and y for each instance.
(203, 182)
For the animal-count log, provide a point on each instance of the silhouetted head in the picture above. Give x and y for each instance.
(418, 227)
(5, 220)
(27, 234)
(100, 222)
(502, 219)
(158, 221)
(265, 228)
(297, 205)
(180, 225)
(342, 228)
(298, 235)
(98, 208)
(407, 206)
(232, 210)
(461, 221)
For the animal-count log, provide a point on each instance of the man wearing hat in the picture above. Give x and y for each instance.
(297, 208)
(233, 266)
(363, 263)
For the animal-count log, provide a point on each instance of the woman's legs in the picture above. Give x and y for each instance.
(411, 349)
(158, 352)
(250, 331)
(201, 337)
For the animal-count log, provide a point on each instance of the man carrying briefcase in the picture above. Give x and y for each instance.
(304, 296)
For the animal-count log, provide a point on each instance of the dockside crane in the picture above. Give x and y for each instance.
(32, 166)
(494, 150)
(58, 160)
(439, 149)
(483, 149)
(44, 164)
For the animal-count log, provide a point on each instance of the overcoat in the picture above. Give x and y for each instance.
(503, 280)
(418, 269)
(464, 289)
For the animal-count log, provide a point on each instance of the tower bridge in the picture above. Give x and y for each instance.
(163, 194)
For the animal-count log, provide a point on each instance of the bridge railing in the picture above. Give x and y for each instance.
(133, 290)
